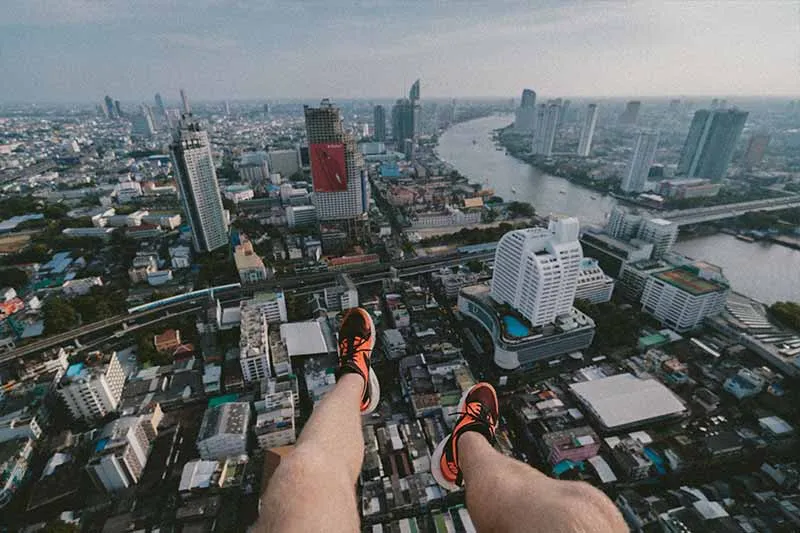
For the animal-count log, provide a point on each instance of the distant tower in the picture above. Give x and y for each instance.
(585, 144)
(402, 121)
(227, 108)
(380, 123)
(643, 154)
(756, 149)
(111, 112)
(525, 119)
(197, 180)
(341, 190)
(118, 109)
(143, 124)
(536, 270)
(187, 109)
(710, 143)
(162, 111)
(413, 96)
(546, 124)
(631, 113)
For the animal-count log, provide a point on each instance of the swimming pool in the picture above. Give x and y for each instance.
(514, 327)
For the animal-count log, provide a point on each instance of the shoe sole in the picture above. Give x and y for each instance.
(374, 384)
(436, 459)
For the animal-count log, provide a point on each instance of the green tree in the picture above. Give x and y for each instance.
(787, 312)
(15, 277)
(59, 316)
(57, 526)
(520, 209)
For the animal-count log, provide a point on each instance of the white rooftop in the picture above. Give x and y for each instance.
(303, 338)
(624, 399)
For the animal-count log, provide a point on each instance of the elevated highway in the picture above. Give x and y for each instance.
(686, 217)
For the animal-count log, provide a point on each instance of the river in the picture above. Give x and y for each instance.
(765, 272)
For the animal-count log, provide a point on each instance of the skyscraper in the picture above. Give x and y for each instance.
(197, 181)
(413, 96)
(118, 109)
(525, 119)
(185, 106)
(635, 176)
(631, 113)
(341, 190)
(546, 124)
(710, 143)
(162, 111)
(142, 122)
(402, 121)
(536, 270)
(111, 112)
(756, 149)
(380, 123)
(585, 144)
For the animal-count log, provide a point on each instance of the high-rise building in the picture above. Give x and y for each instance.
(525, 120)
(413, 93)
(585, 144)
(682, 297)
(185, 106)
(635, 177)
(341, 190)
(565, 115)
(661, 233)
(380, 123)
(118, 109)
(536, 270)
(254, 342)
(402, 121)
(546, 124)
(631, 113)
(109, 103)
(92, 390)
(162, 110)
(197, 181)
(710, 143)
(413, 96)
(756, 149)
(623, 224)
(227, 108)
(142, 122)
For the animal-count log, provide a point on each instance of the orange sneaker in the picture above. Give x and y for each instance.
(479, 412)
(356, 341)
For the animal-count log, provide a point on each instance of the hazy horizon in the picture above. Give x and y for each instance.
(73, 51)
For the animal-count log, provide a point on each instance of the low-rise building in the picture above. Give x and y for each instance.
(254, 342)
(167, 341)
(250, 266)
(223, 432)
(744, 384)
(394, 344)
(342, 296)
(593, 284)
(80, 287)
(274, 424)
(682, 297)
(301, 215)
(121, 452)
(14, 461)
(180, 256)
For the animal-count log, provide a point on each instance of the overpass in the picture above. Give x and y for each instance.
(686, 217)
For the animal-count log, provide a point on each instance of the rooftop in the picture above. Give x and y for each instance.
(231, 418)
(689, 279)
(625, 400)
(303, 338)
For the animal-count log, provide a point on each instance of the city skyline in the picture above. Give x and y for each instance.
(76, 51)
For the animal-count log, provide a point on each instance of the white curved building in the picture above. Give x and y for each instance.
(536, 270)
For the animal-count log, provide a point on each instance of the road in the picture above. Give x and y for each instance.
(304, 284)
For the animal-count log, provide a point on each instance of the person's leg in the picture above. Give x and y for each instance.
(313, 489)
(509, 496)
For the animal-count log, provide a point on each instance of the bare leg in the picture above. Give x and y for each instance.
(313, 489)
(509, 496)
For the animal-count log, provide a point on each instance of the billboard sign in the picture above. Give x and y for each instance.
(328, 171)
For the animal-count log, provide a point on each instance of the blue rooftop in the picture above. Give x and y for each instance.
(74, 370)
(390, 170)
(101, 444)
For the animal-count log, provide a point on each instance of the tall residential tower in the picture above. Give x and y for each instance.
(635, 177)
(710, 143)
(525, 119)
(379, 121)
(341, 190)
(585, 144)
(197, 181)
(536, 270)
(546, 124)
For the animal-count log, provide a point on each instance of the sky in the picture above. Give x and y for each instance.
(80, 50)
